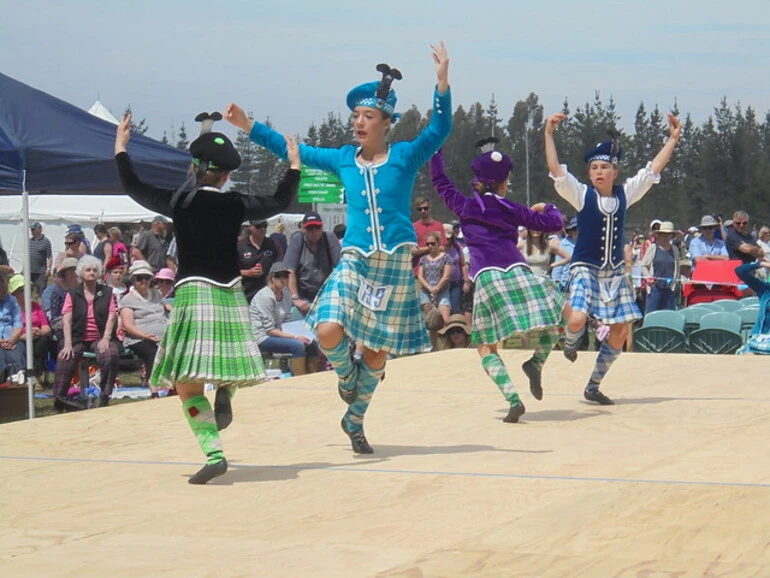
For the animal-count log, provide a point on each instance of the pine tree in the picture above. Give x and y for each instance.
(136, 127)
(182, 143)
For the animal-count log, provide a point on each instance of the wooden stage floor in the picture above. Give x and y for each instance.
(673, 481)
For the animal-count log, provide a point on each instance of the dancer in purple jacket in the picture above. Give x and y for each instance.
(509, 298)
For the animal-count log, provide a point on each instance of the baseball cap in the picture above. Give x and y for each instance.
(36, 225)
(160, 219)
(312, 218)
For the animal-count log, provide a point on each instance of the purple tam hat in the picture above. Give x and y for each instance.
(491, 166)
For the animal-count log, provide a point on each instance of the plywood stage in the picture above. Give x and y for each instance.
(673, 481)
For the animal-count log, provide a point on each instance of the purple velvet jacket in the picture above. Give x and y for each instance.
(490, 223)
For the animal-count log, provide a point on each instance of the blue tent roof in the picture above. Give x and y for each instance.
(67, 150)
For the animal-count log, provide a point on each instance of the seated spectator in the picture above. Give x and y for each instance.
(89, 319)
(310, 257)
(164, 282)
(433, 272)
(114, 277)
(269, 309)
(41, 329)
(143, 316)
(707, 247)
(13, 358)
(456, 334)
(660, 265)
(759, 340)
(64, 280)
(117, 245)
(740, 244)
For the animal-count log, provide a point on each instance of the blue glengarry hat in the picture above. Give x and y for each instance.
(377, 94)
(609, 150)
(491, 166)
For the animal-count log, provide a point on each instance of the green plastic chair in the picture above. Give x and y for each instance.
(713, 307)
(659, 340)
(729, 305)
(727, 321)
(720, 334)
(671, 319)
(749, 301)
(748, 319)
(692, 316)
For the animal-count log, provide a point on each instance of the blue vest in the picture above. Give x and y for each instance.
(600, 234)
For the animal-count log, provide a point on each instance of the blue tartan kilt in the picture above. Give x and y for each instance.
(399, 328)
(617, 304)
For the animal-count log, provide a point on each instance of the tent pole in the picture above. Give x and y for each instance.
(28, 297)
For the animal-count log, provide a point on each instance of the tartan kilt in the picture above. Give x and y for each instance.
(513, 301)
(584, 294)
(209, 339)
(400, 328)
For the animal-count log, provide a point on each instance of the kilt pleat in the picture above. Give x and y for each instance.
(209, 339)
(513, 301)
(400, 328)
(584, 294)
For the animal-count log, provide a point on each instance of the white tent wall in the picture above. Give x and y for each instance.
(57, 212)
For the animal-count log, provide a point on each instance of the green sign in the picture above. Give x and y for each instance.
(316, 186)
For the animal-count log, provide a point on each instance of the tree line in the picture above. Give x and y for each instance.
(719, 166)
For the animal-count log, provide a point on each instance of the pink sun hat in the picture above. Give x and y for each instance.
(166, 274)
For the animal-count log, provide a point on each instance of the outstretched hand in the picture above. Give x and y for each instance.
(441, 59)
(123, 134)
(292, 151)
(235, 115)
(553, 121)
(674, 127)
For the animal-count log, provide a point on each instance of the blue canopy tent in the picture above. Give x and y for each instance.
(48, 146)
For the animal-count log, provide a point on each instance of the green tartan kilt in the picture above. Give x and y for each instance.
(513, 301)
(209, 339)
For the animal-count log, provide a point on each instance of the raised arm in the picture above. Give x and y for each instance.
(674, 132)
(324, 159)
(444, 186)
(434, 135)
(551, 156)
(541, 217)
(150, 197)
(746, 274)
(258, 207)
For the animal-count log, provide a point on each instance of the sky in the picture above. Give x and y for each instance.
(294, 61)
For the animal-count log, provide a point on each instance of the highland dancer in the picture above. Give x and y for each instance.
(509, 297)
(371, 295)
(209, 339)
(598, 286)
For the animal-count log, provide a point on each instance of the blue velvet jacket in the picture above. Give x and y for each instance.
(379, 196)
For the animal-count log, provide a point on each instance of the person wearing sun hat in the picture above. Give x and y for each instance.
(509, 298)
(143, 317)
(455, 334)
(370, 296)
(209, 338)
(661, 264)
(706, 247)
(598, 284)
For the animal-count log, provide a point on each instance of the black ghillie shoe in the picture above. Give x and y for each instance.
(598, 397)
(357, 440)
(223, 409)
(349, 395)
(515, 413)
(208, 473)
(533, 372)
(570, 352)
